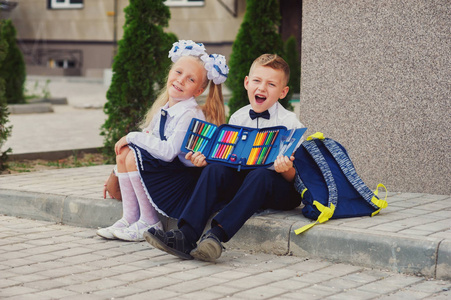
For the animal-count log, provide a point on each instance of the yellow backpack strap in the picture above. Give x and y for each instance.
(318, 135)
(326, 214)
(379, 202)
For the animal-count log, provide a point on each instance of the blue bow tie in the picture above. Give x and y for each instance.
(264, 115)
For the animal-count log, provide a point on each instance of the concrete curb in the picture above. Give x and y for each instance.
(369, 249)
(31, 108)
(269, 233)
(52, 155)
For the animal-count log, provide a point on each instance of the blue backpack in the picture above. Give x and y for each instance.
(329, 185)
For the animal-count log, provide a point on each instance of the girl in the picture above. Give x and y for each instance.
(154, 175)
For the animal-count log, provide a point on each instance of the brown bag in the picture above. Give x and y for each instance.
(113, 188)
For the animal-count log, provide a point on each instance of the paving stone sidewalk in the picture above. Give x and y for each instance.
(412, 235)
(44, 260)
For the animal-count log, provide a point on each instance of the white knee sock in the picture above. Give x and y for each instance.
(130, 205)
(147, 211)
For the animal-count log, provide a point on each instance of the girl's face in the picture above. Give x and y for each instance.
(186, 79)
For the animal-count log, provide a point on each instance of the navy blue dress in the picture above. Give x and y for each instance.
(169, 185)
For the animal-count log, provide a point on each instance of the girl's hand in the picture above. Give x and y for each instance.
(120, 144)
(105, 192)
(283, 163)
(104, 189)
(197, 159)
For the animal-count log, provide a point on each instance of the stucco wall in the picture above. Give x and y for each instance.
(376, 76)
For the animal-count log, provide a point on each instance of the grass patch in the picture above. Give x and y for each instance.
(73, 161)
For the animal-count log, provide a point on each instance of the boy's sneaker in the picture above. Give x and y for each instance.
(172, 242)
(134, 233)
(209, 248)
(107, 232)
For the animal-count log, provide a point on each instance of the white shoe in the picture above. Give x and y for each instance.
(134, 233)
(107, 232)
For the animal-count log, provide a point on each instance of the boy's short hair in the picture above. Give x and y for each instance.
(273, 61)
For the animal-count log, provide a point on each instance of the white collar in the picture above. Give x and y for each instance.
(273, 109)
(180, 106)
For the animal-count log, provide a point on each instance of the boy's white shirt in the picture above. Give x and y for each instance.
(279, 116)
(177, 124)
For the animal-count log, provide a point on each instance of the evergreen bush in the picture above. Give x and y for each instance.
(5, 131)
(13, 67)
(257, 35)
(139, 69)
(292, 59)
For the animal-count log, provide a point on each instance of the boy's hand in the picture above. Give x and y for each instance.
(284, 166)
(120, 144)
(283, 163)
(197, 159)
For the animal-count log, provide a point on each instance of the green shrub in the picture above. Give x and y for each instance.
(13, 67)
(139, 69)
(5, 131)
(257, 35)
(292, 58)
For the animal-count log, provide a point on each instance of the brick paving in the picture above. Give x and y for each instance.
(44, 260)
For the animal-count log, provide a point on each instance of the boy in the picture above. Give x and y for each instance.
(237, 195)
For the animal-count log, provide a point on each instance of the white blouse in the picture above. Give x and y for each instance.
(177, 123)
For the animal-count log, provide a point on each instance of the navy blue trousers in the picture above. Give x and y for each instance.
(237, 196)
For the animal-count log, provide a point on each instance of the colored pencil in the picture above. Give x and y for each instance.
(251, 156)
(257, 153)
(262, 154)
(270, 146)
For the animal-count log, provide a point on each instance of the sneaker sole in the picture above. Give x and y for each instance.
(107, 238)
(157, 243)
(207, 250)
(126, 239)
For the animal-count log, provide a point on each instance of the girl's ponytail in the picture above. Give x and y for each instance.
(214, 105)
(217, 71)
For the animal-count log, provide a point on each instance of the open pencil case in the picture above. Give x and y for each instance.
(240, 147)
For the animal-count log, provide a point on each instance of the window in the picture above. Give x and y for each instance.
(65, 4)
(184, 2)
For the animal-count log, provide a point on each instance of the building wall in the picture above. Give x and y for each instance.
(376, 76)
(92, 30)
(34, 21)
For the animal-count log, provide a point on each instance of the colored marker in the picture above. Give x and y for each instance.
(203, 146)
(199, 142)
(192, 125)
(220, 136)
(213, 155)
(213, 129)
(204, 130)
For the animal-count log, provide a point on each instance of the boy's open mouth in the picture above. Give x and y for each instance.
(260, 99)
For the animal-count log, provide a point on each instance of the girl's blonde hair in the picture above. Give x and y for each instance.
(213, 108)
